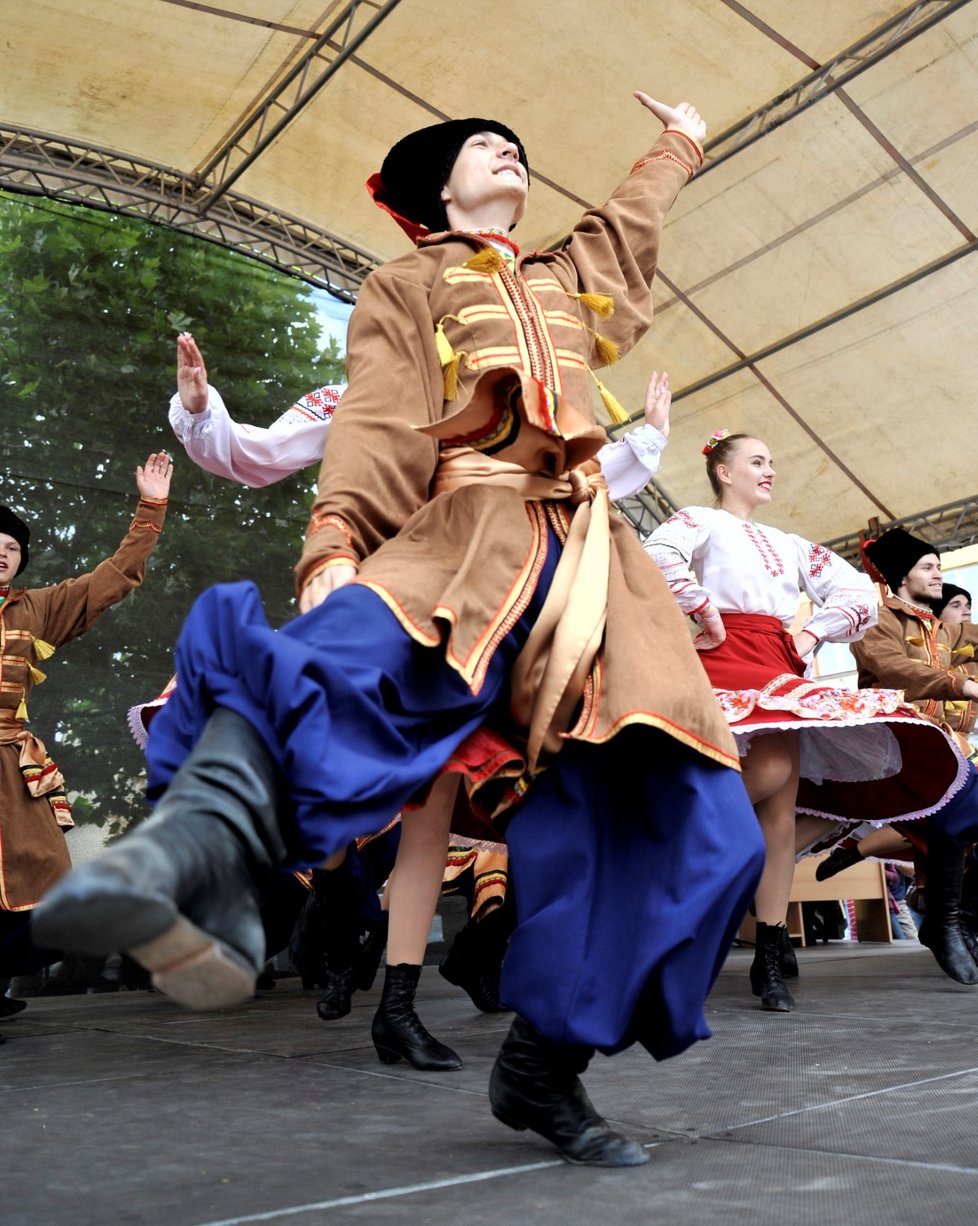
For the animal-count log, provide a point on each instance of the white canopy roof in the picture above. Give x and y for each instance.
(814, 288)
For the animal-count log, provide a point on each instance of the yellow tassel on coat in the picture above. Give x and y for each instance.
(37, 675)
(607, 350)
(450, 374)
(615, 411)
(488, 260)
(22, 708)
(42, 650)
(603, 305)
(448, 358)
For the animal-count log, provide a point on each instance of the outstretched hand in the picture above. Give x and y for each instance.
(191, 374)
(658, 398)
(682, 118)
(153, 477)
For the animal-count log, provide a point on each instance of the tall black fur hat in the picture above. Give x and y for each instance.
(417, 168)
(13, 525)
(895, 555)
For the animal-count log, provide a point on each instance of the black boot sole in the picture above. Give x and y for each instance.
(621, 1153)
(186, 964)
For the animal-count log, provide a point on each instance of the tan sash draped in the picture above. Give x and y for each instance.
(32, 753)
(550, 672)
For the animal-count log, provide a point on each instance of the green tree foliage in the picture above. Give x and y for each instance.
(90, 306)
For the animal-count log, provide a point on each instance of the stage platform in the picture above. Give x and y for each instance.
(859, 1108)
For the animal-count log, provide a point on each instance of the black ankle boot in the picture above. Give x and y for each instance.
(337, 999)
(535, 1084)
(941, 930)
(328, 945)
(766, 976)
(397, 1030)
(180, 893)
(476, 957)
(836, 862)
(10, 1006)
(789, 959)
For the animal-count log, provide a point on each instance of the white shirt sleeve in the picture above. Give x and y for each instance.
(628, 463)
(255, 455)
(846, 601)
(671, 547)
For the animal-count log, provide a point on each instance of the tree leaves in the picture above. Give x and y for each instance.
(90, 305)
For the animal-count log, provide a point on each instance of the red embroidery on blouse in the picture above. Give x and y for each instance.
(321, 402)
(818, 558)
(769, 555)
(682, 517)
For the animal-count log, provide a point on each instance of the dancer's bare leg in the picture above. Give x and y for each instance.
(771, 778)
(397, 1031)
(886, 843)
(415, 883)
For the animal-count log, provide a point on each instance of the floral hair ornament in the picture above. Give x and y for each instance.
(716, 437)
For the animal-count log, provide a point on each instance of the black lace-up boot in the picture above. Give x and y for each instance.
(766, 975)
(789, 959)
(837, 861)
(398, 1032)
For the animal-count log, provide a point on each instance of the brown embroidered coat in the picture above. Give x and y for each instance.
(33, 853)
(911, 650)
(459, 567)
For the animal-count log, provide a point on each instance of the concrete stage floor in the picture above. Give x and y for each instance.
(858, 1108)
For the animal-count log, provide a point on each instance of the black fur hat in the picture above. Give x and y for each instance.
(13, 525)
(417, 168)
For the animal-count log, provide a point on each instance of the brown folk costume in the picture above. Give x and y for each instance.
(912, 651)
(33, 806)
(440, 325)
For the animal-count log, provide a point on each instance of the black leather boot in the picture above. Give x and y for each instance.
(180, 892)
(371, 951)
(476, 957)
(308, 942)
(766, 975)
(789, 959)
(326, 942)
(941, 930)
(535, 1084)
(398, 1032)
(837, 861)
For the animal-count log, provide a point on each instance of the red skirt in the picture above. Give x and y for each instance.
(866, 755)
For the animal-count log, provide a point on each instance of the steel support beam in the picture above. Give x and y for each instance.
(951, 526)
(647, 509)
(33, 163)
(355, 21)
(832, 75)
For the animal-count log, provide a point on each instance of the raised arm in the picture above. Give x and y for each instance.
(614, 250)
(68, 609)
(630, 462)
(251, 455)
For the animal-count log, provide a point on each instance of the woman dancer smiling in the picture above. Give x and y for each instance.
(823, 752)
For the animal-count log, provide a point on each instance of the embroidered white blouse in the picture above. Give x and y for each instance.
(740, 566)
(261, 455)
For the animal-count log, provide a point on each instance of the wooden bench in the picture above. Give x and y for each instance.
(864, 883)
